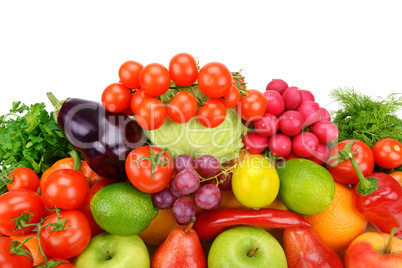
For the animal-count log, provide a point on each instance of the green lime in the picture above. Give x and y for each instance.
(255, 182)
(122, 209)
(306, 187)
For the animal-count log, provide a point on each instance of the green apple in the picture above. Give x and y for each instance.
(246, 246)
(107, 250)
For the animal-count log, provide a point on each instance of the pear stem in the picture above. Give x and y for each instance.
(391, 236)
(253, 252)
(190, 225)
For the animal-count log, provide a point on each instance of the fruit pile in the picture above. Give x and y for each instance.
(186, 167)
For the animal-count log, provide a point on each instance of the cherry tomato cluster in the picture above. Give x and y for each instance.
(292, 124)
(52, 210)
(141, 88)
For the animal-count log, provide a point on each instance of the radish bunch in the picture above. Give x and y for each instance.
(293, 125)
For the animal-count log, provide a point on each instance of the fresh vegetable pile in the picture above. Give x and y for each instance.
(186, 167)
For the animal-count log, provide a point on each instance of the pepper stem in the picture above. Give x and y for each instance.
(76, 160)
(391, 236)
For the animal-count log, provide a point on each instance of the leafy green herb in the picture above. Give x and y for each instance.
(30, 137)
(365, 118)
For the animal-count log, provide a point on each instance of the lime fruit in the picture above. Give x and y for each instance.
(255, 182)
(306, 187)
(122, 209)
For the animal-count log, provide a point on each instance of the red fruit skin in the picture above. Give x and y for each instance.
(292, 98)
(307, 95)
(275, 104)
(278, 85)
(180, 249)
(305, 249)
(310, 110)
(321, 155)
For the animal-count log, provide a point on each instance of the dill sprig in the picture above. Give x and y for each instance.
(366, 118)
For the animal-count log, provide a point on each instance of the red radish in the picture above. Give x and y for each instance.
(310, 110)
(307, 95)
(325, 116)
(292, 155)
(255, 143)
(291, 123)
(267, 125)
(277, 85)
(321, 155)
(325, 131)
(275, 104)
(280, 145)
(292, 98)
(304, 144)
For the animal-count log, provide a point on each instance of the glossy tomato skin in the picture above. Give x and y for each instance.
(129, 73)
(137, 98)
(183, 69)
(154, 79)
(10, 260)
(140, 172)
(183, 107)
(252, 106)
(116, 98)
(212, 113)
(344, 172)
(65, 189)
(232, 98)
(23, 178)
(214, 79)
(66, 243)
(388, 153)
(151, 114)
(13, 204)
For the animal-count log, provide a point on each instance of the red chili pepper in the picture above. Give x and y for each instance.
(211, 223)
(377, 197)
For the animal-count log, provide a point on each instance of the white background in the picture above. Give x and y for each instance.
(75, 48)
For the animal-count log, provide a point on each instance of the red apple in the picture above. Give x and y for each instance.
(374, 249)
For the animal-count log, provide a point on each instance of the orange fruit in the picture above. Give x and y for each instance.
(32, 245)
(397, 175)
(159, 228)
(340, 223)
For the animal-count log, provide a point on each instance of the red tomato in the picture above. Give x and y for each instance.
(66, 189)
(388, 153)
(86, 209)
(11, 260)
(344, 172)
(183, 107)
(212, 113)
(116, 98)
(232, 98)
(151, 114)
(137, 98)
(23, 178)
(140, 172)
(129, 73)
(252, 106)
(13, 204)
(183, 69)
(65, 242)
(155, 79)
(214, 79)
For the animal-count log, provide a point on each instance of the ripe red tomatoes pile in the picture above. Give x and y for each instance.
(153, 92)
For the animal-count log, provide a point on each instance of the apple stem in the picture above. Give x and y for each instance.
(190, 225)
(109, 256)
(253, 252)
(391, 236)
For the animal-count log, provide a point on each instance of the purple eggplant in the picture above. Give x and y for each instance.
(104, 138)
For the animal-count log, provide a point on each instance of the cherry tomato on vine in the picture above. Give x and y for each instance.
(214, 79)
(183, 69)
(137, 98)
(151, 114)
(212, 113)
(232, 98)
(62, 263)
(23, 178)
(12, 260)
(343, 172)
(116, 98)
(65, 188)
(129, 73)
(183, 107)
(14, 204)
(140, 174)
(388, 153)
(58, 241)
(154, 79)
(238, 82)
(252, 106)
